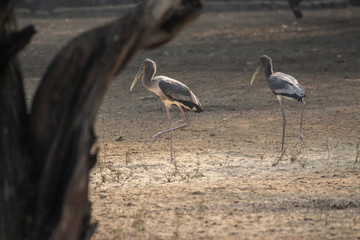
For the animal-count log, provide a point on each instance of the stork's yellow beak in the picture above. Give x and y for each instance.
(137, 77)
(255, 73)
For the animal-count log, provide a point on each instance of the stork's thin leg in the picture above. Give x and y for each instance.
(284, 123)
(301, 120)
(283, 134)
(187, 120)
(153, 139)
(171, 134)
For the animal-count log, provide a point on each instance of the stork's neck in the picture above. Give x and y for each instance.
(148, 76)
(268, 69)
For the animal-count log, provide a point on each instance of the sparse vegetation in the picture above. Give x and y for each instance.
(138, 221)
(178, 216)
(357, 152)
(183, 174)
(202, 207)
(175, 172)
(118, 234)
(127, 157)
(298, 153)
(328, 148)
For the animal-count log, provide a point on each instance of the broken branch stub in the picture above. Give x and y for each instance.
(164, 21)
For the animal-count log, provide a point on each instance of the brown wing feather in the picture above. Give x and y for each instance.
(179, 92)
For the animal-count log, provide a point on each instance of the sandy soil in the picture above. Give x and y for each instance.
(223, 184)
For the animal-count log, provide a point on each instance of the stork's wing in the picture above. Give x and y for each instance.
(179, 92)
(285, 85)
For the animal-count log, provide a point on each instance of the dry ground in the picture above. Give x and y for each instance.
(223, 185)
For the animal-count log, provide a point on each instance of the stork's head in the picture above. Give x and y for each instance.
(147, 66)
(264, 61)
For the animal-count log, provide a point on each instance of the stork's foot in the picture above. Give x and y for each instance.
(276, 162)
(154, 138)
(301, 137)
(279, 158)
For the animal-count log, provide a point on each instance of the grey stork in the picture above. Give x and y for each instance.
(170, 92)
(283, 86)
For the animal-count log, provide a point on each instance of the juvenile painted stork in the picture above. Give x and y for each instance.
(283, 86)
(170, 92)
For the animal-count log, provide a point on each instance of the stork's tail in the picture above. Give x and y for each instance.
(192, 106)
(302, 99)
(199, 109)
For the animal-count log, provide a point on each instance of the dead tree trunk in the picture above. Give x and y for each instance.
(13, 124)
(45, 155)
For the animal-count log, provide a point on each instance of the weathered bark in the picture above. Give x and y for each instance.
(53, 143)
(13, 124)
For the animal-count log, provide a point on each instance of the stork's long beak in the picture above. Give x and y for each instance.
(255, 73)
(137, 77)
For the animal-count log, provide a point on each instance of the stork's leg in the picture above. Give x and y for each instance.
(283, 133)
(284, 123)
(186, 119)
(301, 120)
(171, 134)
(153, 139)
